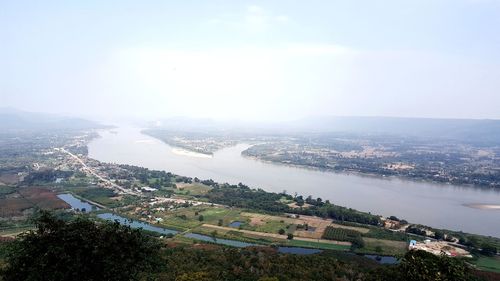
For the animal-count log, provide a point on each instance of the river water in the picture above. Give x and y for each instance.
(437, 205)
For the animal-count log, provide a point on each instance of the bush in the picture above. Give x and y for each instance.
(80, 250)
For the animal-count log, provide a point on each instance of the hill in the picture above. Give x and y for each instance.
(18, 120)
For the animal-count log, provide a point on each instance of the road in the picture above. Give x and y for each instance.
(94, 173)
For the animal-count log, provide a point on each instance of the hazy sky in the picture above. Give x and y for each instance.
(256, 60)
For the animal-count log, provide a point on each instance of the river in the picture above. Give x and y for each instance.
(437, 205)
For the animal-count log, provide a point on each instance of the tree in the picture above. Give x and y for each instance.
(357, 243)
(424, 266)
(221, 222)
(213, 234)
(289, 236)
(488, 250)
(268, 279)
(200, 218)
(281, 231)
(194, 276)
(81, 250)
(438, 234)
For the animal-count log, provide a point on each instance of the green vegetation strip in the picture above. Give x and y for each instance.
(317, 245)
(488, 264)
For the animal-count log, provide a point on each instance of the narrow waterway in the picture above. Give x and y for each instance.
(437, 205)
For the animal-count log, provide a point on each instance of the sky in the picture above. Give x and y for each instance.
(252, 60)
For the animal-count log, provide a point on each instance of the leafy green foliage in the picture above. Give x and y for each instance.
(340, 213)
(257, 199)
(423, 266)
(380, 233)
(247, 198)
(488, 250)
(80, 250)
(254, 264)
(46, 176)
(342, 234)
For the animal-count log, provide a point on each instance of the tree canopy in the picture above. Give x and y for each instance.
(80, 249)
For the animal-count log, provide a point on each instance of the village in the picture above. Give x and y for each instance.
(181, 205)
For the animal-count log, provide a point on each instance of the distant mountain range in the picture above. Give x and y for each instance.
(479, 131)
(425, 127)
(14, 119)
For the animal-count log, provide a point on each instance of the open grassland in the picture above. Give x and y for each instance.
(488, 264)
(235, 235)
(318, 245)
(102, 196)
(315, 226)
(180, 223)
(275, 235)
(192, 189)
(188, 218)
(254, 233)
(362, 230)
(272, 227)
(383, 247)
(266, 238)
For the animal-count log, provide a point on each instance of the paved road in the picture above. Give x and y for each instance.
(94, 173)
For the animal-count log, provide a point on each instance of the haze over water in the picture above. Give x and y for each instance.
(436, 205)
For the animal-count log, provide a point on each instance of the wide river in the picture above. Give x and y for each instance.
(442, 206)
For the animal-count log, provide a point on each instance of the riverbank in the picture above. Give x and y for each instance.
(365, 193)
(484, 206)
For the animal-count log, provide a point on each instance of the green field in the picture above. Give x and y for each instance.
(340, 234)
(383, 247)
(234, 235)
(213, 215)
(318, 245)
(188, 218)
(488, 264)
(272, 227)
(193, 189)
(180, 223)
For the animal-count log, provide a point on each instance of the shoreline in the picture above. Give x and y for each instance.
(484, 206)
(369, 175)
(458, 228)
(190, 152)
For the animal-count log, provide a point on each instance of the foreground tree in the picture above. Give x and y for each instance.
(424, 266)
(80, 250)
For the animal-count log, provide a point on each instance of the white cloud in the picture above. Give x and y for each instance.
(255, 19)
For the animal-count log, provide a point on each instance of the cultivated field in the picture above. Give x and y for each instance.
(16, 203)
